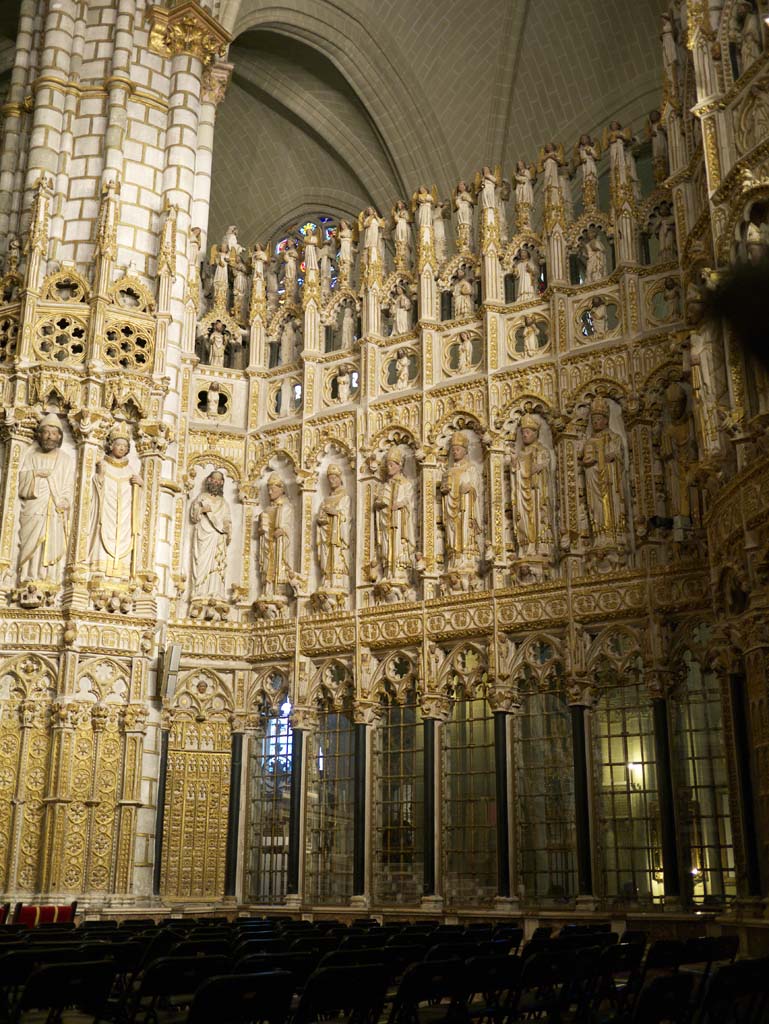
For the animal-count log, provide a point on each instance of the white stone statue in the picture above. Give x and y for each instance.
(462, 509)
(395, 516)
(605, 473)
(423, 204)
(599, 317)
(440, 215)
(221, 280)
(46, 481)
(216, 344)
(274, 531)
(401, 311)
(551, 158)
(116, 515)
(230, 241)
(463, 204)
(273, 286)
(487, 192)
(463, 295)
(464, 352)
(212, 400)
(679, 453)
(325, 256)
(372, 226)
(669, 54)
(343, 385)
(659, 140)
(621, 160)
(747, 34)
(290, 258)
(504, 191)
(530, 337)
(345, 243)
(525, 176)
(594, 254)
(526, 273)
(402, 370)
(533, 490)
(289, 341)
(211, 534)
(671, 296)
(348, 327)
(332, 531)
(664, 228)
(239, 288)
(401, 228)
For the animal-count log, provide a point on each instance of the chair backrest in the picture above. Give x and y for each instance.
(636, 938)
(238, 998)
(494, 976)
(352, 958)
(448, 950)
(664, 954)
(737, 992)
(665, 998)
(323, 943)
(180, 975)
(357, 992)
(201, 947)
(369, 940)
(299, 965)
(85, 985)
(431, 982)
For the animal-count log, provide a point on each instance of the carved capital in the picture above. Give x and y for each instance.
(135, 718)
(305, 719)
(504, 698)
(579, 691)
(437, 706)
(366, 713)
(187, 28)
(216, 78)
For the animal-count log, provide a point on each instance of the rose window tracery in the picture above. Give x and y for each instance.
(61, 340)
(127, 346)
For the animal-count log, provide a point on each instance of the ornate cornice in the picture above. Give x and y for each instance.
(187, 28)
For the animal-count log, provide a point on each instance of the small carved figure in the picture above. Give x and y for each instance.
(217, 344)
(671, 296)
(326, 256)
(401, 229)
(333, 533)
(401, 311)
(394, 519)
(603, 461)
(550, 159)
(348, 327)
(345, 243)
(212, 400)
(289, 341)
(463, 204)
(116, 518)
(594, 254)
(440, 214)
(669, 55)
(504, 191)
(678, 449)
(530, 336)
(45, 489)
(659, 140)
(462, 509)
(464, 352)
(343, 385)
(402, 369)
(290, 257)
(463, 295)
(599, 317)
(665, 231)
(533, 490)
(212, 531)
(274, 530)
(747, 34)
(526, 273)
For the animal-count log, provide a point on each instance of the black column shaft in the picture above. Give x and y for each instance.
(503, 804)
(581, 801)
(233, 815)
(428, 887)
(745, 783)
(359, 813)
(670, 868)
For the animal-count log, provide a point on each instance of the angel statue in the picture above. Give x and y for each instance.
(525, 176)
(586, 154)
(441, 212)
(485, 186)
(550, 159)
(618, 141)
(463, 204)
(371, 226)
(401, 219)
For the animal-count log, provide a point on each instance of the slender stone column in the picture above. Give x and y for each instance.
(501, 719)
(13, 113)
(580, 695)
(161, 811)
(233, 816)
(428, 888)
(359, 810)
(745, 788)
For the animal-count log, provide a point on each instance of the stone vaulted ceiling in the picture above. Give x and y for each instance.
(337, 105)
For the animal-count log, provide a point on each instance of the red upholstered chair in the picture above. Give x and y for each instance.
(31, 915)
(4, 908)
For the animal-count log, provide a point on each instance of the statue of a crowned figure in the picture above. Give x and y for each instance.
(332, 538)
(395, 513)
(45, 490)
(274, 532)
(116, 517)
(211, 534)
(533, 491)
(603, 462)
(461, 492)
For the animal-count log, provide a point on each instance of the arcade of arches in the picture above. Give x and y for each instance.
(384, 524)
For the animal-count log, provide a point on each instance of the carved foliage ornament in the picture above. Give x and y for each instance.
(187, 28)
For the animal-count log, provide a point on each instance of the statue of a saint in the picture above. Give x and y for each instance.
(333, 534)
(526, 272)
(45, 489)
(116, 516)
(665, 231)
(463, 204)
(463, 295)
(401, 229)
(533, 490)
(401, 311)
(274, 531)
(464, 352)
(402, 370)
(678, 449)
(394, 518)
(747, 34)
(211, 535)
(599, 317)
(343, 385)
(603, 461)
(462, 509)
(530, 337)
(440, 216)
(348, 327)
(290, 260)
(217, 344)
(594, 254)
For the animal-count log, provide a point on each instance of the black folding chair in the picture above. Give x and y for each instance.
(737, 993)
(431, 992)
(492, 982)
(243, 998)
(665, 998)
(174, 980)
(356, 994)
(57, 987)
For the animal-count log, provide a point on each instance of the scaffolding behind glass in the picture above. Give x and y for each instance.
(544, 797)
(399, 803)
(269, 789)
(330, 807)
(469, 804)
(627, 809)
(702, 786)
